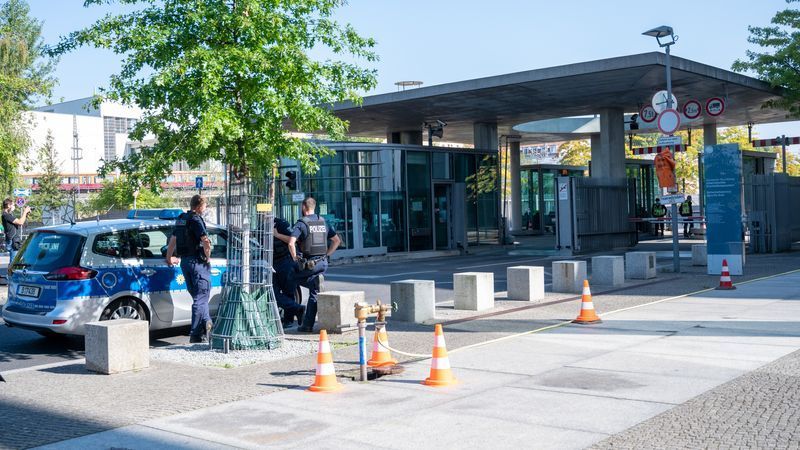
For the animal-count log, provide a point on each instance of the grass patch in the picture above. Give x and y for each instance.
(336, 345)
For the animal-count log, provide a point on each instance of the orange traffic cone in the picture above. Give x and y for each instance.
(440, 363)
(381, 356)
(587, 314)
(325, 380)
(725, 282)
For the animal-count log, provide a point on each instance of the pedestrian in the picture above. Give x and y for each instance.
(312, 234)
(12, 227)
(658, 212)
(190, 242)
(284, 267)
(686, 212)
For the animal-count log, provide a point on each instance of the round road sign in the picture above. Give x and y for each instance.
(692, 109)
(20, 202)
(648, 114)
(660, 101)
(715, 106)
(669, 121)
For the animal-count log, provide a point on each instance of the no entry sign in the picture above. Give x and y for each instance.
(669, 121)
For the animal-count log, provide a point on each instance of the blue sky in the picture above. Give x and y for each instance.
(440, 41)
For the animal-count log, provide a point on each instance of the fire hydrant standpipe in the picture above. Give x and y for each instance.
(362, 311)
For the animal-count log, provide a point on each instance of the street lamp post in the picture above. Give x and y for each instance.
(664, 32)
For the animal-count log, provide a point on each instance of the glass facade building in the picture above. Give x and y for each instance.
(397, 198)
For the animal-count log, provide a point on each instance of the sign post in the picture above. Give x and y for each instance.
(198, 184)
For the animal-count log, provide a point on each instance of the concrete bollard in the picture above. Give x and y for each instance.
(416, 300)
(640, 265)
(568, 276)
(115, 346)
(473, 290)
(335, 310)
(525, 283)
(699, 255)
(608, 270)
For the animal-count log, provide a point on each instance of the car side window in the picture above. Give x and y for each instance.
(148, 243)
(219, 243)
(114, 244)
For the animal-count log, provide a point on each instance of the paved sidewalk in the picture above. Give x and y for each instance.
(568, 387)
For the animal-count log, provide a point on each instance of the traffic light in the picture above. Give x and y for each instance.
(291, 180)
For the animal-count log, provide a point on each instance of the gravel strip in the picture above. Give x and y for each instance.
(200, 355)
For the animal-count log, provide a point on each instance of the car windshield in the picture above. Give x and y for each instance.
(47, 251)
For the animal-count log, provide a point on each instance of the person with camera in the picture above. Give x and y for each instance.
(190, 242)
(12, 227)
(284, 267)
(311, 233)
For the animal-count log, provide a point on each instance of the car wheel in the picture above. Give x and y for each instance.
(123, 308)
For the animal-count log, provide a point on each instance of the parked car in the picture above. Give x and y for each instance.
(65, 276)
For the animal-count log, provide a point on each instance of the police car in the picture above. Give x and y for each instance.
(68, 275)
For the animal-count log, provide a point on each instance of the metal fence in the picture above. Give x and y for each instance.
(248, 317)
(597, 229)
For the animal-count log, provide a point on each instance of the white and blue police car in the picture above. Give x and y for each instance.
(65, 276)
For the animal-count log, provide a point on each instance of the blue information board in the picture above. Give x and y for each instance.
(198, 182)
(723, 207)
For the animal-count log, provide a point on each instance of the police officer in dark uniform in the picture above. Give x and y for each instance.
(658, 211)
(190, 242)
(312, 233)
(284, 266)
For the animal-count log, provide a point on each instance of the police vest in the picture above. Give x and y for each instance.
(316, 242)
(686, 209)
(185, 242)
(659, 210)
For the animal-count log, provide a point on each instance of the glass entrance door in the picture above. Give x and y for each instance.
(442, 216)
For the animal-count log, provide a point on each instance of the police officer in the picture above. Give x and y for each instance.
(12, 227)
(190, 242)
(686, 212)
(312, 233)
(284, 267)
(658, 211)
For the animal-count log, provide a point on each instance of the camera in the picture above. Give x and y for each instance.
(32, 207)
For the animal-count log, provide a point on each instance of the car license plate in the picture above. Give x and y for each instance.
(28, 291)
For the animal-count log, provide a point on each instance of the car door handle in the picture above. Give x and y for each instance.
(215, 272)
(147, 272)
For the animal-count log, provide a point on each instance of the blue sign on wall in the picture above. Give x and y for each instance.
(723, 199)
(198, 183)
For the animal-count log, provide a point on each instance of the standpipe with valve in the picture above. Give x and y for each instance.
(362, 311)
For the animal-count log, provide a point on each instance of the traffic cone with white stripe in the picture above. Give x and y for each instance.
(325, 380)
(381, 356)
(441, 375)
(587, 314)
(725, 282)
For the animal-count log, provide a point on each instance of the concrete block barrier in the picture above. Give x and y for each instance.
(416, 300)
(568, 276)
(473, 291)
(115, 346)
(640, 265)
(699, 255)
(335, 310)
(525, 283)
(608, 270)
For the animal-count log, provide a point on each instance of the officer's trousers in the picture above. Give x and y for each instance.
(198, 282)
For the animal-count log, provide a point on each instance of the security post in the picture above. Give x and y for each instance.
(362, 311)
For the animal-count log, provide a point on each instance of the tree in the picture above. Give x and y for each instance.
(49, 196)
(119, 194)
(575, 153)
(778, 61)
(226, 80)
(25, 74)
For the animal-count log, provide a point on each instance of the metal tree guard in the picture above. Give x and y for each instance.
(248, 317)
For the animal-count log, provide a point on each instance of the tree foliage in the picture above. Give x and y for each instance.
(778, 59)
(48, 195)
(575, 153)
(25, 74)
(119, 194)
(226, 79)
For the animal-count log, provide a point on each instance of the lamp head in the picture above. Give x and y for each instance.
(663, 32)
